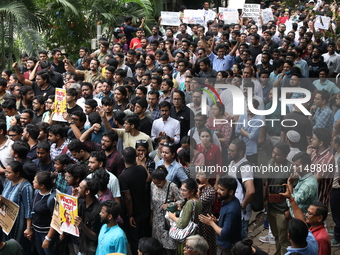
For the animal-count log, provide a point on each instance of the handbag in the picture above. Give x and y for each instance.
(166, 222)
(180, 234)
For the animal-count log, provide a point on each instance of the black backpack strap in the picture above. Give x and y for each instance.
(239, 174)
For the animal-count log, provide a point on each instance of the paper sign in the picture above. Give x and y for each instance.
(229, 15)
(251, 10)
(68, 210)
(194, 17)
(236, 4)
(267, 15)
(170, 18)
(289, 26)
(8, 214)
(59, 105)
(55, 222)
(322, 22)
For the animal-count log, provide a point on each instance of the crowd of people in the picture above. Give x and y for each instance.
(145, 122)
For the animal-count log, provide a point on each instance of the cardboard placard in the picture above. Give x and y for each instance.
(251, 10)
(322, 22)
(59, 105)
(68, 210)
(267, 15)
(170, 18)
(232, 4)
(194, 17)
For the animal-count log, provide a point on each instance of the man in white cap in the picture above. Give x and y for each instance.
(293, 138)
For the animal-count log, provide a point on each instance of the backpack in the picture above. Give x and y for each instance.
(257, 201)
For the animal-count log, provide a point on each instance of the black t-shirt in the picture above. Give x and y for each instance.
(254, 51)
(41, 212)
(133, 179)
(315, 67)
(76, 108)
(145, 126)
(46, 92)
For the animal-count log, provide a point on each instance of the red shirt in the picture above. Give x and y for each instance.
(322, 237)
(322, 163)
(212, 154)
(135, 40)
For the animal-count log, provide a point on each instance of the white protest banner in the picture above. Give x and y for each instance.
(233, 4)
(267, 15)
(193, 17)
(8, 214)
(170, 18)
(322, 22)
(251, 10)
(230, 16)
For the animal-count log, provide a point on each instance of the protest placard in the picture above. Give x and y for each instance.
(267, 15)
(8, 214)
(251, 10)
(170, 18)
(193, 17)
(322, 22)
(55, 222)
(229, 15)
(59, 105)
(68, 210)
(232, 4)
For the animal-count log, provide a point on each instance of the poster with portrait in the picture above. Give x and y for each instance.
(8, 214)
(68, 210)
(59, 105)
(55, 222)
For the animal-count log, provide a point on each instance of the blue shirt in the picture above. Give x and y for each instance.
(230, 222)
(310, 249)
(111, 240)
(221, 64)
(253, 130)
(176, 172)
(327, 85)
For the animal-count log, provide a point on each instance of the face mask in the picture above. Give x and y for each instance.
(288, 72)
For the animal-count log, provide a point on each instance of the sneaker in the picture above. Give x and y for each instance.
(335, 243)
(267, 239)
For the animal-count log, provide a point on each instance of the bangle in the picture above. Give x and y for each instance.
(291, 200)
(48, 239)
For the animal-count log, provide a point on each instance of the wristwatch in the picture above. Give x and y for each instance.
(72, 122)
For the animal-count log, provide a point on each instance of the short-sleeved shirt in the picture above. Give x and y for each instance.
(90, 217)
(321, 235)
(133, 179)
(89, 77)
(39, 92)
(310, 249)
(111, 240)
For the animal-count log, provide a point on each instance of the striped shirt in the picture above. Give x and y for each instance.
(324, 166)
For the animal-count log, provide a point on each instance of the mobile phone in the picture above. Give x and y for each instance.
(276, 189)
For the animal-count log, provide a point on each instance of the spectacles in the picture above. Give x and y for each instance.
(309, 213)
(188, 248)
(12, 135)
(168, 144)
(68, 177)
(141, 141)
(184, 190)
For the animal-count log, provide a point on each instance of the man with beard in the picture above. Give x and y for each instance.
(43, 160)
(38, 108)
(57, 64)
(30, 136)
(26, 117)
(88, 220)
(40, 86)
(315, 63)
(114, 160)
(112, 237)
(165, 125)
(89, 75)
(97, 161)
(86, 93)
(228, 226)
(30, 64)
